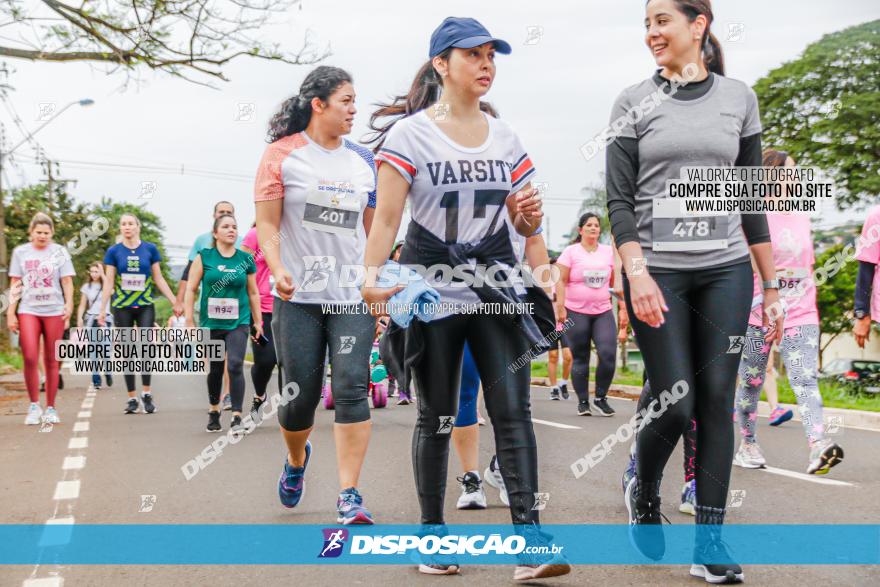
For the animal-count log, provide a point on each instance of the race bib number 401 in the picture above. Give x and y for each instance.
(336, 212)
(676, 231)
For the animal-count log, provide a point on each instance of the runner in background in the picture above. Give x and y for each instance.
(133, 272)
(41, 283)
(205, 241)
(793, 257)
(586, 272)
(867, 294)
(559, 387)
(230, 303)
(87, 312)
(263, 348)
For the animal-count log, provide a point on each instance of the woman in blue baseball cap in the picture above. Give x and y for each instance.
(468, 179)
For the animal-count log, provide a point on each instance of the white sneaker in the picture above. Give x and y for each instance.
(35, 413)
(472, 495)
(493, 477)
(51, 416)
(749, 456)
(824, 455)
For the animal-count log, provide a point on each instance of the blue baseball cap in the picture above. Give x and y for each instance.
(463, 33)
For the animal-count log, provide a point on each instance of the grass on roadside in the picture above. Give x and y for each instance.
(833, 396)
(10, 362)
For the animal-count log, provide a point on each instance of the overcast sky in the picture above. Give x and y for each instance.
(557, 93)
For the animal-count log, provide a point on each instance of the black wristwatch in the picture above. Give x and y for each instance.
(860, 314)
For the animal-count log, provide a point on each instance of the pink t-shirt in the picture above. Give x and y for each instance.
(250, 241)
(589, 278)
(794, 257)
(868, 250)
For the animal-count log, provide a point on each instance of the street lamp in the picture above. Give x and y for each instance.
(84, 102)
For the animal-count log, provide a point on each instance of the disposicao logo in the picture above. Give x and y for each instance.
(334, 541)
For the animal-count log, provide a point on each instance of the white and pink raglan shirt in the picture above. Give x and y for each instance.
(325, 192)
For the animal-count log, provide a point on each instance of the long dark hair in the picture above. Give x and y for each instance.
(296, 111)
(713, 56)
(583, 220)
(424, 91)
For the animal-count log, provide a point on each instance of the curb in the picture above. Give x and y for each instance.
(857, 419)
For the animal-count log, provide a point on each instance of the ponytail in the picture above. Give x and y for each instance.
(713, 56)
(423, 93)
(296, 112)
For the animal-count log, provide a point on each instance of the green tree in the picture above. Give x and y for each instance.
(595, 201)
(834, 298)
(178, 37)
(824, 108)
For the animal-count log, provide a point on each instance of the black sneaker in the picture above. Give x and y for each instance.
(109, 379)
(214, 422)
(236, 426)
(255, 408)
(564, 390)
(602, 407)
(712, 561)
(149, 406)
(132, 406)
(554, 394)
(584, 409)
(645, 518)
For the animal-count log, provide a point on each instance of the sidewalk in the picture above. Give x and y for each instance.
(847, 418)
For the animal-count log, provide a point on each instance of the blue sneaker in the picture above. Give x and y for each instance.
(291, 485)
(630, 471)
(689, 498)
(350, 508)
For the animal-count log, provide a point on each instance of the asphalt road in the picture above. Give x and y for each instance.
(127, 457)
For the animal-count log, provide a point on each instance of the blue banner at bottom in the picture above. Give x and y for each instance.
(588, 544)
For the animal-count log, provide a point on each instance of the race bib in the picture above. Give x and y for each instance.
(134, 281)
(40, 296)
(673, 230)
(223, 308)
(331, 210)
(790, 281)
(595, 279)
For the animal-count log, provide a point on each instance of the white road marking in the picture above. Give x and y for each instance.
(78, 442)
(555, 424)
(88, 404)
(71, 463)
(805, 477)
(60, 521)
(66, 490)
(44, 582)
(81, 427)
(84, 415)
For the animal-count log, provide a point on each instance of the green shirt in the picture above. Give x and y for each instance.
(224, 303)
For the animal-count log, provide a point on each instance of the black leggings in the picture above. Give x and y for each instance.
(303, 335)
(690, 434)
(600, 329)
(144, 317)
(236, 345)
(706, 308)
(264, 359)
(496, 345)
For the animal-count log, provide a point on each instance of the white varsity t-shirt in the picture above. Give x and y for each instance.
(322, 229)
(455, 191)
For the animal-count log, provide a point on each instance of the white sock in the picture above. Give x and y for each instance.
(563, 382)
